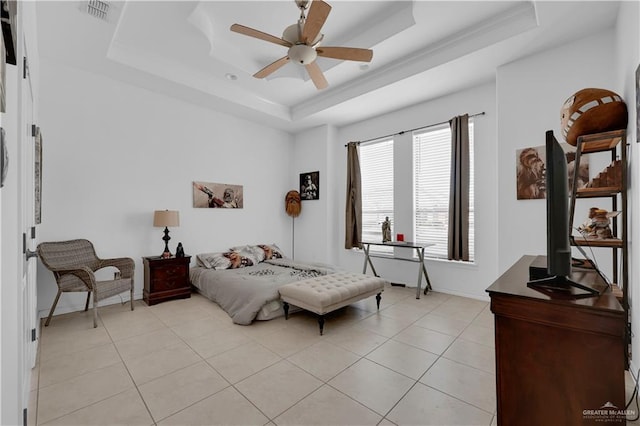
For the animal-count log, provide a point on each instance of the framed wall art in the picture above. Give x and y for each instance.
(530, 167)
(217, 195)
(638, 104)
(4, 158)
(310, 186)
(3, 54)
(37, 184)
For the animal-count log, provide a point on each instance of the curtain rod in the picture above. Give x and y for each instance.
(402, 132)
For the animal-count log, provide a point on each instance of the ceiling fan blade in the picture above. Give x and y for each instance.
(346, 53)
(272, 67)
(317, 76)
(318, 13)
(241, 29)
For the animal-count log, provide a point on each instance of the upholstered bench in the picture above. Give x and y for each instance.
(327, 293)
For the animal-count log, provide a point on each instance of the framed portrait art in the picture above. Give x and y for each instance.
(310, 186)
(217, 195)
(38, 177)
(638, 104)
(4, 158)
(530, 171)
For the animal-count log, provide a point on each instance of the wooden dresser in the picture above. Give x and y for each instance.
(166, 279)
(558, 361)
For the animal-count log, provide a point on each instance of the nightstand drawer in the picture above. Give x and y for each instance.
(170, 272)
(166, 279)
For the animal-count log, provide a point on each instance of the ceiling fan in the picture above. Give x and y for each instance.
(303, 40)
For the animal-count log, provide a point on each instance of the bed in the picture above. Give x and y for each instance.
(244, 281)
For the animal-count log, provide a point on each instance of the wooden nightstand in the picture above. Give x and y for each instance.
(166, 279)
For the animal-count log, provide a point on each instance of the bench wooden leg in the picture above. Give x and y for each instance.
(321, 323)
(378, 297)
(285, 305)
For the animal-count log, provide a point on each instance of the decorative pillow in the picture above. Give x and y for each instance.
(271, 251)
(254, 252)
(238, 260)
(226, 260)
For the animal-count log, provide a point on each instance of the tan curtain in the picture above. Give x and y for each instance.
(353, 212)
(458, 248)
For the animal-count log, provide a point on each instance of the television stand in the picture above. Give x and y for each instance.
(546, 348)
(562, 285)
(574, 286)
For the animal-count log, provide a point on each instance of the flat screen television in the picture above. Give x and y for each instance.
(558, 277)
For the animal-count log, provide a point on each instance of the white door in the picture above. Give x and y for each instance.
(27, 199)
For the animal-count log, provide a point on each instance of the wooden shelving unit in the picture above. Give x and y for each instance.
(612, 186)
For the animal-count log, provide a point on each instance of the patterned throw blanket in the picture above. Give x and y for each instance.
(243, 292)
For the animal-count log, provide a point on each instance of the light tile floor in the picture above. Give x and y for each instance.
(422, 362)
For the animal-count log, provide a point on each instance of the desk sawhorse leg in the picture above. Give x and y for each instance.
(422, 270)
(367, 259)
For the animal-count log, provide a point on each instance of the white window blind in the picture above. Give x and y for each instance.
(432, 165)
(376, 171)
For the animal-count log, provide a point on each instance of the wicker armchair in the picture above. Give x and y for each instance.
(73, 264)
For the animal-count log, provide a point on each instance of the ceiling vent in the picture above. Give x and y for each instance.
(98, 9)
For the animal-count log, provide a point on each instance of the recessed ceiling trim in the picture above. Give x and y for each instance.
(514, 21)
(200, 19)
(193, 79)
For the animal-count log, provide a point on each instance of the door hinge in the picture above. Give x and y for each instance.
(33, 334)
(24, 67)
(24, 417)
(24, 242)
(33, 232)
(34, 130)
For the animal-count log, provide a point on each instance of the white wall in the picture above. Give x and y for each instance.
(530, 94)
(113, 153)
(628, 60)
(452, 277)
(310, 155)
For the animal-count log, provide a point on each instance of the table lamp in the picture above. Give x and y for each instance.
(166, 218)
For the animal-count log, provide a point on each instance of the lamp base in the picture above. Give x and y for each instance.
(166, 254)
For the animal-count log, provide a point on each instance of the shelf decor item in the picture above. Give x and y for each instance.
(166, 218)
(590, 111)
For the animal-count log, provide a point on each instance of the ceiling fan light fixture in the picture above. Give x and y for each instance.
(302, 54)
(292, 33)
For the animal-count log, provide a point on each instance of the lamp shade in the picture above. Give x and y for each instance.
(166, 218)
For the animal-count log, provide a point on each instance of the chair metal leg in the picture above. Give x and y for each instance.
(95, 309)
(53, 308)
(86, 305)
(131, 298)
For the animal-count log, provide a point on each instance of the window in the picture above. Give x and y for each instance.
(431, 164)
(376, 171)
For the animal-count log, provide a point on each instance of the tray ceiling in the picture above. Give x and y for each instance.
(422, 50)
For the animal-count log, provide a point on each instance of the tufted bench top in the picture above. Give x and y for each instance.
(326, 293)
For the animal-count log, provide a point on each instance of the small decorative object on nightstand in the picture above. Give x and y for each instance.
(179, 250)
(166, 218)
(166, 279)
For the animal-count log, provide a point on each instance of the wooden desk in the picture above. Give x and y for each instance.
(419, 250)
(556, 359)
